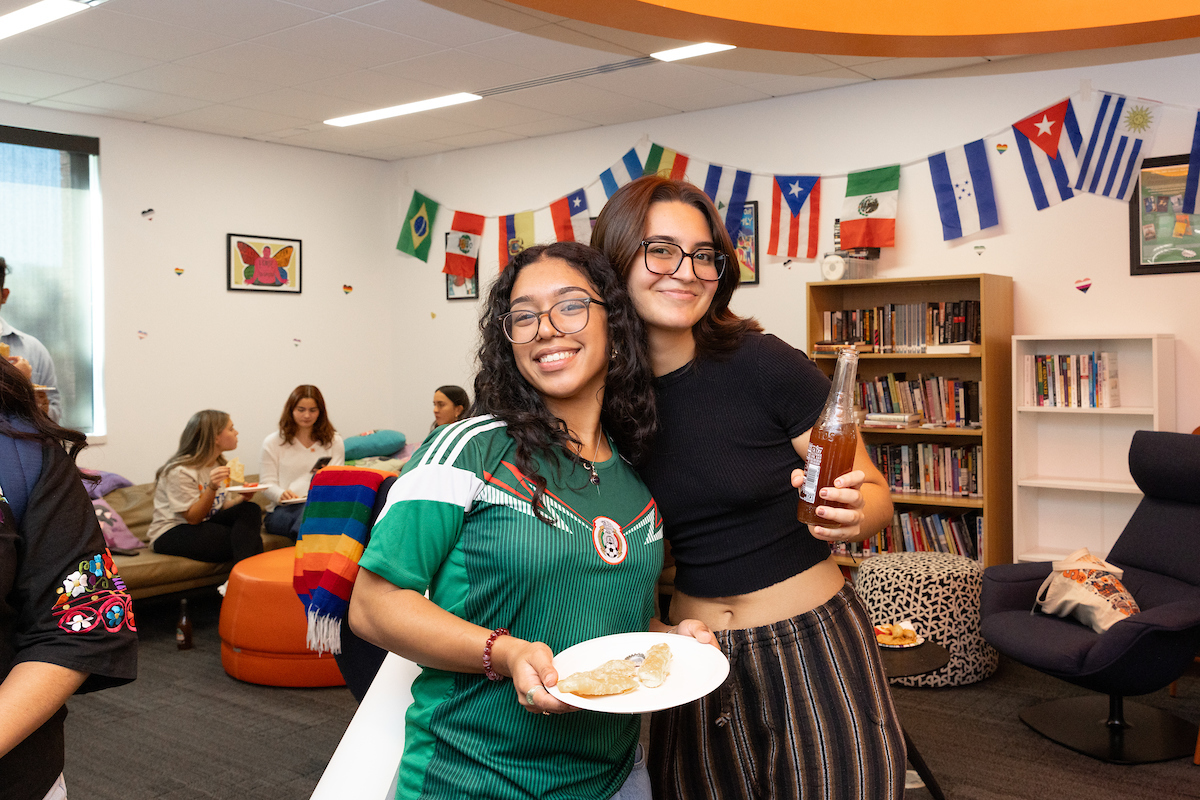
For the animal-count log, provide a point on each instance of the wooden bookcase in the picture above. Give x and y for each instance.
(991, 366)
(1071, 483)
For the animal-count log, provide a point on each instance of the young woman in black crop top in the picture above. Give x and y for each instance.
(806, 710)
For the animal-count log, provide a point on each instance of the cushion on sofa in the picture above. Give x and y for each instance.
(116, 533)
(375, 443)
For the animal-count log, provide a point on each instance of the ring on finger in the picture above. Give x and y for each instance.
(529, 694)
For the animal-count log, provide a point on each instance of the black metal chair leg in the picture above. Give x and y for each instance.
(914, 757)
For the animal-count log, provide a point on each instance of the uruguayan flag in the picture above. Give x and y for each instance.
(1049, 142)
(962, 183)
(627, 169)
(1193, 176)
(1120, 138)
(727, 188)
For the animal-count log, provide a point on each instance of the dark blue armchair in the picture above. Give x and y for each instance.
(1160, 553)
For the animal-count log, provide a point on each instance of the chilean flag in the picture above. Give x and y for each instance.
(795, 231)
(571, 221)
(462, 244)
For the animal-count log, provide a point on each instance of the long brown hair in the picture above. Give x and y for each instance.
(619, 232)
(18, 401)
(198, 441)
(323, 429)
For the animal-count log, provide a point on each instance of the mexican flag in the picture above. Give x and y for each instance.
(869, 212)
(418, 225)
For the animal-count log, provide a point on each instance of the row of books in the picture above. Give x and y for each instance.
(930, 468)
(937, 400)
(905, 327)
(1082, 380)
(915, 532)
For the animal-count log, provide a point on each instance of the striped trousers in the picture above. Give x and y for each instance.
(804, 713)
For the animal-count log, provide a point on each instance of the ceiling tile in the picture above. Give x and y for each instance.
(637, 41)
(131, 100)
(99, 27)
(628, 111)
(36, 83)
(411, 150)
(479, 139)
(342, 139)
(655, 82)
(7, 6)
(243, 19)
(850, 61)
(352, 42)
(191, 82)
(550, 126)
(417, 127)
(267, 64)
(228, 120)
(80, 60)
(331, 6)
(491, 112)
(428, 22)
(458, 71)
(503, 15)
(563, 35)
(727, 95)
(568, 98)
(790, 84)
(772, 61)
(82, 109)
(904, 67)
(544, 56)
(372, 89)
(296, 103)
(16, 98)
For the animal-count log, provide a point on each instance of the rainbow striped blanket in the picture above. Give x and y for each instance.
(333, 534)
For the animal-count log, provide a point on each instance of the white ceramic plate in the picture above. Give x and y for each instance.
(249, 488)
(920, 641)
(293, 501)
(696, 670)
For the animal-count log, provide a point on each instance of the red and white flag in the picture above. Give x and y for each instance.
(462, 244)
(795, 215)
(571, 221)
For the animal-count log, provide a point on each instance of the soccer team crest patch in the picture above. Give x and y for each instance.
(609, 540)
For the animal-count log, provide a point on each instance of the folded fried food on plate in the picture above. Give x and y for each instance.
(894, 634)
(657, 666)
(237, 471)
(611, 677)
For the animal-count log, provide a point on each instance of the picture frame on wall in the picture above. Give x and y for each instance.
(262, 264)
(747, 244)
(460, 288)
(1162, 239)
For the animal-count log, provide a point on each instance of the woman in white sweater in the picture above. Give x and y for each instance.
(305, 442)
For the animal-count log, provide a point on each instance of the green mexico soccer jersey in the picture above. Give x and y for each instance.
(459, 524)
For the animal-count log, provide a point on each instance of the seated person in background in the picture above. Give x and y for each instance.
(450, 404)
(194, 515)
(53, 643)
(305, 442)
(30, 356)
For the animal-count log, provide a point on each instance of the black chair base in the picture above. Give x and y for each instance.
(1082, 724)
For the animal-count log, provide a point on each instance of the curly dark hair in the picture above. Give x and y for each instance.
(18, 401)
(627, 411)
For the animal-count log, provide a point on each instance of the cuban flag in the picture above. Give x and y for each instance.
(571, 221)
(627, 169)
(795, 215)
(962, 182)
(1049, 142)
(1121, 136)
(727, 188)
(1193, 176)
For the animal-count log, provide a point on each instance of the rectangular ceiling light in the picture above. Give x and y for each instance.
(691, 51)
(407, 108)
(29, 17)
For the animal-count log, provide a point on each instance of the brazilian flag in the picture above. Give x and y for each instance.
(418, 225)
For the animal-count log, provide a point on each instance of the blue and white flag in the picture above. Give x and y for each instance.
(727, 188)
(1049, 142)
(627, 169)
(1120, 138)
(962, 182)
(1193, 176)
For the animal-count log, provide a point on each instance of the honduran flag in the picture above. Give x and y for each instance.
(1049, 142)
(665, 162)
(1193, 176)
(516, 233)
(621, 173)
(962, 183)
(571, 221)
(462, 244)
(1121, 136)
(795, 215)
(727, 188)
(869, 210)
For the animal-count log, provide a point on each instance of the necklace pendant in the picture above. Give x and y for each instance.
(595, 477)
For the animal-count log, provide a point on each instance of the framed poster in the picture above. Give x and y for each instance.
(459, 287)
(1162, 239)
(262, 264)
(747, 243)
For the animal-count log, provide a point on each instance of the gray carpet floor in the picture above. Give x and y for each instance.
(186, 730)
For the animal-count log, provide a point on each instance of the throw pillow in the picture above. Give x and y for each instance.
(375, 443)
(116, 533)
(109, 482)
(1088, 589)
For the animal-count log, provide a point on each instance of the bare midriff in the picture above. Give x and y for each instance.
(798, 594)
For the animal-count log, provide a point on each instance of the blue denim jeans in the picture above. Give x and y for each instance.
(637, 785)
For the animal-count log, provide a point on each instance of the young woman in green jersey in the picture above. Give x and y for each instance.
(530, 533)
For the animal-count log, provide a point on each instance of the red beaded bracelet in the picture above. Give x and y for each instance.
(492, 675)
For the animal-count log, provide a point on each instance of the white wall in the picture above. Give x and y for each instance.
(207, 347)
(833, 132)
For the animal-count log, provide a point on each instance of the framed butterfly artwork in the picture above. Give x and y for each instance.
(262, 264)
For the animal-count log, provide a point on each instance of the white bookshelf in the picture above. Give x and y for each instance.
(1071, 482)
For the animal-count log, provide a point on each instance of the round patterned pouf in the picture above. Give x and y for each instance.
(939, 592)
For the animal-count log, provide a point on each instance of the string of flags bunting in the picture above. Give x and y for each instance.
(1058, 157)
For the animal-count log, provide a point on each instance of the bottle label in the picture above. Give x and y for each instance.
(179, 638)
(808, 492)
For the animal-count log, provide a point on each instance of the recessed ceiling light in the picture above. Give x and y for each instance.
(407, 108)
(691, 51)
(29, 17)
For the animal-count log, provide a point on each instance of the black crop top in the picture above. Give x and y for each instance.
(720, 467)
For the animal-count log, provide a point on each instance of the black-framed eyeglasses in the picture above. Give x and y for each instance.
(567, 316)
(665, 258)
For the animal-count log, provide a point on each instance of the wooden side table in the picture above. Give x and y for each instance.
(926, 657)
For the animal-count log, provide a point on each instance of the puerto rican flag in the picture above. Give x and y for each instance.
(1049, 142)
(627, 169)
(462, 244)
(727, 188)
(795, 215)
(1121, 136)
(571, 221)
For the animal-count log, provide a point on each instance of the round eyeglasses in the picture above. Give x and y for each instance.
(665, 258)
(567, 316)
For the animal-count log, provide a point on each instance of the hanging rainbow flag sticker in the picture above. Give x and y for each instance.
(179, 270)
(1001, 148)
(1083, 284)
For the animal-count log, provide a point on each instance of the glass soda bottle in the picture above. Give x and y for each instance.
(183, 628)
(831, 444)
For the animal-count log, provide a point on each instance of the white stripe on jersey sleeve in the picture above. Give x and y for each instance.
(438, 482)
(436, 452)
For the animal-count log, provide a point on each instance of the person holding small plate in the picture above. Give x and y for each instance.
(305, 442)
(531, 534)
(195, 514)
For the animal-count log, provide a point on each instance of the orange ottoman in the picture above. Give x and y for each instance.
(263, 627)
